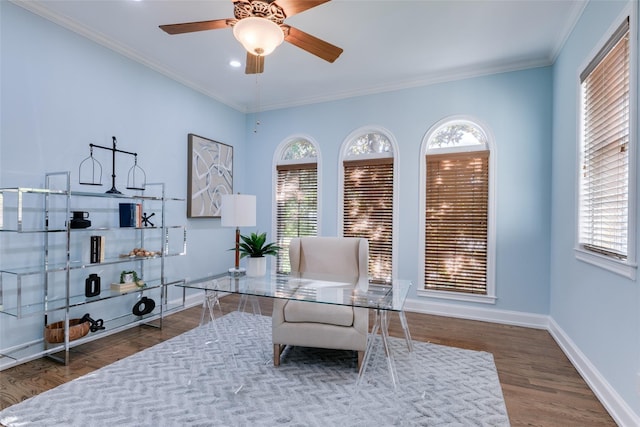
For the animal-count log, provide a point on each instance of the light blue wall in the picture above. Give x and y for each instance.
(597, 309)
(60, 92)
(517, 109)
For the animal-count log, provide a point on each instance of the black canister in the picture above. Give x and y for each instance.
(92, 285)
(79, 219)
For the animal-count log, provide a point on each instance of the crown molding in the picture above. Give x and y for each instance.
(442, 76)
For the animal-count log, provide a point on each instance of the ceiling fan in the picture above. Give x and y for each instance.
(259, 26)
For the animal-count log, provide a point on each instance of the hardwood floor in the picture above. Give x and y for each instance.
(540, 386)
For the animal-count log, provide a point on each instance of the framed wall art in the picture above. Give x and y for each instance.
(210, 175)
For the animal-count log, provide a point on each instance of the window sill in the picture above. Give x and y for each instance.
(458, 296)
(622, 268)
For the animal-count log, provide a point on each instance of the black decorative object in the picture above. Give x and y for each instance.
(92, 285)
(79, 220)
(146, 219)
(133, 178)
(96, 325)
(144, 306)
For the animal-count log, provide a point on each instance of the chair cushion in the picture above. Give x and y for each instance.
(334, 256)
(300, 311)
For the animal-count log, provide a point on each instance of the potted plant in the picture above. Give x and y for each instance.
(255, 247)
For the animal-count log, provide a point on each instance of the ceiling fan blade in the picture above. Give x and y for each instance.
(311, 44)
(191, 27)
(255, 64)
(293, 7)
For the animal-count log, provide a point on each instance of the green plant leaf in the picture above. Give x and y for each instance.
(254, 246)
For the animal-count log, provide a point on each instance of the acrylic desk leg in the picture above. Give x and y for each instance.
(384, 333)
(381, 324)
(211, 300)
(263, 344)
(213, 335)
(367, 353)
(405, 328)
(255, 304)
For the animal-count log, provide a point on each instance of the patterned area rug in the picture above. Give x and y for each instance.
(221, 374)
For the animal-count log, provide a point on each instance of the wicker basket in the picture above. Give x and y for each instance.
(54, 332)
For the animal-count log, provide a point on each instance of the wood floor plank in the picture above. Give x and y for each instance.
(539, 384)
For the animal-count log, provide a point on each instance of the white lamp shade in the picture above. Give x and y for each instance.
(238, 210)
(259, 36)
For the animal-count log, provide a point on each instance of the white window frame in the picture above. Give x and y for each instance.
(626, 268)
(277, 160)
(490, 297)
(344, 155)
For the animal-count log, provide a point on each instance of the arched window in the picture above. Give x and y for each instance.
(368, 196)
(458, 200)
(296, 195)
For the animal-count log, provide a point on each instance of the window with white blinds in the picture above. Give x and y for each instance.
(368, 210)
(604, 174)
(457, 196)
(297, 200)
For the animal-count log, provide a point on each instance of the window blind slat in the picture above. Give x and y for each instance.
(296, 210)
(456, 222)
(368, 210)
(603, 215)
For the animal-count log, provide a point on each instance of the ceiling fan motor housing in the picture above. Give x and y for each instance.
(259, 9)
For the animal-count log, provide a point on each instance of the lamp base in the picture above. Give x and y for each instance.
(237, 272)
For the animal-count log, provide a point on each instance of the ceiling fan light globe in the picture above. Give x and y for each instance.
(259, 36)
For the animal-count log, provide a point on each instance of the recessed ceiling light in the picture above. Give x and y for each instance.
(235, 63)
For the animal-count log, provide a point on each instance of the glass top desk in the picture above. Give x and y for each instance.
(382, 298)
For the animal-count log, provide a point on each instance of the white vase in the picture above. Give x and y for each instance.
(257, 266)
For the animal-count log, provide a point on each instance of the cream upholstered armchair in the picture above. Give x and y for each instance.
(309, 324)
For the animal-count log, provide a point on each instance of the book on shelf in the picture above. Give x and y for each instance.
(93, 258)
(130, 215)
(97, 249)
(125, 287)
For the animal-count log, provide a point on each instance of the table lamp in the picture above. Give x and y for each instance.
(238, 210)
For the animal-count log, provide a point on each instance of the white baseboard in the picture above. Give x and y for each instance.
(515, 318)
(614, 404)
(610, 399)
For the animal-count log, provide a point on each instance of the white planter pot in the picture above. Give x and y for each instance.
(256, 267)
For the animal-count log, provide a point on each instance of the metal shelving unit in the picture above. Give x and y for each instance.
(46, 289)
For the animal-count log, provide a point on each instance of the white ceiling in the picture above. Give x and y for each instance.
(388, 44)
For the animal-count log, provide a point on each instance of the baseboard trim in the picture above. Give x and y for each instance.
(615, 405)
(515, 318)
(610, 399)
